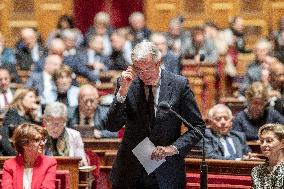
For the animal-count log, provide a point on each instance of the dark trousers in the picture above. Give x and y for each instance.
(145, 182)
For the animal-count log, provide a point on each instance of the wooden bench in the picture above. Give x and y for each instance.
(102, 144)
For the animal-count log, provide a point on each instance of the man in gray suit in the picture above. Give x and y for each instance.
(220, 141)
(139, 91)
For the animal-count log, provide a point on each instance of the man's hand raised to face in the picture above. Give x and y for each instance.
(127, 78)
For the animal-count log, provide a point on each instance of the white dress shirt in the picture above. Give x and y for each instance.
(9, 96)
(27, 178)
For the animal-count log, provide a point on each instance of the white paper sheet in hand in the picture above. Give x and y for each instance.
(143, 153)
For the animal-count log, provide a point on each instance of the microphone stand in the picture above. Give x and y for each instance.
(203, 166)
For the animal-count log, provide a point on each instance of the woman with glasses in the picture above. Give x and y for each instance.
(30, 169)
(62, 141)
(23, 109)
(270, 174)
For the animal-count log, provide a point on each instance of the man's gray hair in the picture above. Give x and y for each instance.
(68, 34)
(143, 49)
(56, 109)
(212, 110)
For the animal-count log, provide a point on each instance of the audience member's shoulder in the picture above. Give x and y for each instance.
(12, 111)
(175, 77)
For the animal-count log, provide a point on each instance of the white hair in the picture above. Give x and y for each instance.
(136, 15)
(56, 109)
(143, 49)
(212, 110)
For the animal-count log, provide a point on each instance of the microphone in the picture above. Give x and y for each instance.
(203, 167)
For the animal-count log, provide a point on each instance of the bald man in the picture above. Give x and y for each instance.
(43, 81)
(91, 113)
(29, 50)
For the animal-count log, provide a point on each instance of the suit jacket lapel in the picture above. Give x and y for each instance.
(237, 145)
(20, 172)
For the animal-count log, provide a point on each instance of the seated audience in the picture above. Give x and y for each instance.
(90, 113)
(178, 38)
(30, 168)
(170, 60)
(66, 92)
(65, 22)
(74, 57)
(138, 29)
(121, 53)
(30, 51)
(201, 46)
(271, 173)
(236, 30)
(62, 141)
(220, 141)
(101, 26)
(6, 92)
(43, 82)
(256, 68)
(96, 61)
(23, 109)
(257, 112)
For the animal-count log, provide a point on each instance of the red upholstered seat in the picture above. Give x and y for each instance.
(219, 181)
(62, 179)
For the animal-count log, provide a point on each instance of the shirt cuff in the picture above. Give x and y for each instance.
(119, 98)
(177, 152)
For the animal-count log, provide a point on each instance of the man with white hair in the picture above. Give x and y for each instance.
(140, 89)
(259, 67)
(30, 51)
(221, 142)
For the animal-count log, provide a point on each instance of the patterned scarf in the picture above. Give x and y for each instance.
(58, 147)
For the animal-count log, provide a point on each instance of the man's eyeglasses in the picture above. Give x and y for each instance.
(146, 70)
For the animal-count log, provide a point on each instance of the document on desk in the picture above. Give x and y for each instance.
(143, 153)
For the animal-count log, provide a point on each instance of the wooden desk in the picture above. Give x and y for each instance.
(63, 163)
(102, 144)
(228, 167)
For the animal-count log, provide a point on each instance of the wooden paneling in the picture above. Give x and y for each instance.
(260, 16)
(39, 14)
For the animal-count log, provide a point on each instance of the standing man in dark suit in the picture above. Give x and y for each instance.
(221, 142)
(135, 106)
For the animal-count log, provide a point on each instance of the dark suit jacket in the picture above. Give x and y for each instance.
(44, 173)
(215, 150)
(174, 89)
(100, 115)
(24, 57)
(171, 62)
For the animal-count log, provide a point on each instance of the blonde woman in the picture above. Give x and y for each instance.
(22, 109)
(270, 174)
(30, 169)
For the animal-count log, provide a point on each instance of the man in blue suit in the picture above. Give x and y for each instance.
(140, 89)
(220, 141)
